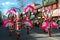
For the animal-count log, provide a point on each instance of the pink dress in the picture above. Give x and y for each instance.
(46, 25)
(7, 23)
(54, 25)
(29, 23)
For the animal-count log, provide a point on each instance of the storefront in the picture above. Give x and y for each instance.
(56, 12)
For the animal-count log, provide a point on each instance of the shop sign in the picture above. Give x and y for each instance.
(56, 12)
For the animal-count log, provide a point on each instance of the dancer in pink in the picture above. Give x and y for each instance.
(48, 25)
(28, 24)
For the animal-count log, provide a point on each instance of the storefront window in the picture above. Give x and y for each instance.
(54, 6)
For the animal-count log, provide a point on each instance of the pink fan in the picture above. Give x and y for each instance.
(11, 10)
(29, 23)
(54, 25)
(45, 26)
(29, 7)
(7, 23)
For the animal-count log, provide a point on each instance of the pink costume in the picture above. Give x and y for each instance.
(7, 22)
(27, 22)
(46, 25)
(54, 25)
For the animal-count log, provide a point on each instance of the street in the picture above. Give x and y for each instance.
(35, 34)
(21, 14)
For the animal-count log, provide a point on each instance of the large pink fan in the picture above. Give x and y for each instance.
(11, 10)
(29, 7)
(7, 23)
(45, 26)
(48, 9)
(54, 25)
(29, 23)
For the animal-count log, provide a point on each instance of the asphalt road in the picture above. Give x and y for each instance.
(35, 34)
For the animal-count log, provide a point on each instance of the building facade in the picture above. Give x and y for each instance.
(58, 3)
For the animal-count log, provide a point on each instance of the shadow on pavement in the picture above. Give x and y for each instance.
(38, 30)
(55, 31)
(4, 35)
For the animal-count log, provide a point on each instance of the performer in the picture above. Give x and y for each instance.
(17, 29)
(50, 27)
(28, 24)
(40, 21)
(58, 22)
(47, 26)
(10, 26)
(18, 26)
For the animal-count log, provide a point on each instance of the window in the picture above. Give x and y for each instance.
(54, 6)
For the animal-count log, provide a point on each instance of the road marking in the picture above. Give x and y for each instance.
(39, 35)
(53, 38)
(44, 35)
